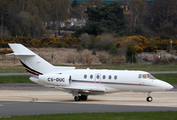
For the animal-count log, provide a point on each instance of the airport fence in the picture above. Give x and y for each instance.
(4, 59)
(156, 57)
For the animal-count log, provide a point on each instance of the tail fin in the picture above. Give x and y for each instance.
(34, 64)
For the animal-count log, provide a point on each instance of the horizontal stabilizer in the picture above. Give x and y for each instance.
(22, 54)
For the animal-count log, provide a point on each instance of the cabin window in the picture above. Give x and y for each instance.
(91, 76)
(109, 76)
(104, 76)
(115, 77)
(85, 76)
(97, 76)
(139, 76)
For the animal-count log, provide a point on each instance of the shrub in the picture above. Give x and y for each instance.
(175, 47)
(59, 45)
(104, 42)
(103, 58)
(117, 60)
(5, 51)
(94, 52)
(85, 39)
(92, 42)
(113, 51)
(130, 51)
(79, 47)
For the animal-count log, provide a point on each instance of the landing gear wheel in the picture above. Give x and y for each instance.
(77, 98)
(149, 99)
(83, 97)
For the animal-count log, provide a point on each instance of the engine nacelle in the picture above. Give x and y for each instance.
(55, 79)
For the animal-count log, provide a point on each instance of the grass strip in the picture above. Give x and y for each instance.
(170, 78)
(15, 79)
(143, 67)
(169, 115)
(12, 71)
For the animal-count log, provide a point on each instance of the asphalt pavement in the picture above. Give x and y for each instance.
(35, 108)
(11, 74)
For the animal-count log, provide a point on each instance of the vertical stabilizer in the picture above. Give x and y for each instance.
(31, 61)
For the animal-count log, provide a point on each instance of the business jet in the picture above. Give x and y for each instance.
(83, 82)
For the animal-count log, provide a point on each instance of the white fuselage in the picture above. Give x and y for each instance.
(111, 81)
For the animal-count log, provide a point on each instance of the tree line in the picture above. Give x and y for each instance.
(28, 17)
(155, 19)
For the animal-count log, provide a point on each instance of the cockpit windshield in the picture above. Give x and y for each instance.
(146, 76)
(150, 76)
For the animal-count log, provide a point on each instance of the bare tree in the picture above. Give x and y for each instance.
(59, 11)
(136, 9)
(3, 12)
(79, 14)
(161, 18)
(96, 2)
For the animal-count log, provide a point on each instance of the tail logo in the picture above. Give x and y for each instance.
(30, 70)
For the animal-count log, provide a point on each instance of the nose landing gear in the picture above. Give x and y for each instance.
(149, 98)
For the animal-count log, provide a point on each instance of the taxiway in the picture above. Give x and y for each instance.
(35, 102)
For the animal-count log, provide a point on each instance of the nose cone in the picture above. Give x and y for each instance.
(168, 86)
(164, 85)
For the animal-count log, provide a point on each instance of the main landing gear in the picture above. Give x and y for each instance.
(149, 98)
(82, 97)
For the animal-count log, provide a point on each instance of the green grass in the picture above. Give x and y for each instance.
(12, 70)
(143, 67)
(15, 79)
(169, 115)
(170, 78)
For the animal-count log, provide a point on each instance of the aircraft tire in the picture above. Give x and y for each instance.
(83, 97)
(149, 99)
(77, 98)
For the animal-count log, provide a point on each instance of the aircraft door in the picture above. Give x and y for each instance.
(98, 78)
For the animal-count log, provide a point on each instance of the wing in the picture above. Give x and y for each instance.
(85, 90)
